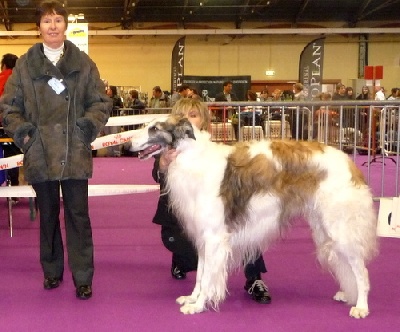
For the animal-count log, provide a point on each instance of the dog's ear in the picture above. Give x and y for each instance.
(183, 129)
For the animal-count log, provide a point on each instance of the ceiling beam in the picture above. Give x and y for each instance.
(383, 4)
(128, 13)
(302, 8)
(239, 17)
(359, 14)
(4, 15)
(230, 32)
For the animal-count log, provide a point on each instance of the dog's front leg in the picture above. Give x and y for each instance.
(196, 291)
(211, 283)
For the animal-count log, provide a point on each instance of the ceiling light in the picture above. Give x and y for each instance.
(74, 18)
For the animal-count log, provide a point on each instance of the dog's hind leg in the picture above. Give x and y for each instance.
(211, 284)
(360, 310)
(347, 265)
(352, 275)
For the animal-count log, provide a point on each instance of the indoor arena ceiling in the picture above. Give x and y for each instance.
(130, 14)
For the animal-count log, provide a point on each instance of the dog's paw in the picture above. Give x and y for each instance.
(358, 312)
(185, 299)
(340, 296)
(191, 308)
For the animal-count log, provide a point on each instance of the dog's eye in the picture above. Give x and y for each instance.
(153, 129)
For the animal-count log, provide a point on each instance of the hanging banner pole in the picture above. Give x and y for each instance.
(177, 64)
(311, 68)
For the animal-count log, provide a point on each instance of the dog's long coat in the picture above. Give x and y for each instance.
(234, 200)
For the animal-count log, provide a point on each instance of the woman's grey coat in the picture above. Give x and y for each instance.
(61, 126)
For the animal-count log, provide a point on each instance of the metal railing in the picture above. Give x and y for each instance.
(367, 130)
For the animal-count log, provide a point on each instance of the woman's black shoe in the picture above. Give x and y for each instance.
(84, 292)
(177, 273)
(50, 283)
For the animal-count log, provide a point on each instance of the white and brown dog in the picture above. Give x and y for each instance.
(234, 200)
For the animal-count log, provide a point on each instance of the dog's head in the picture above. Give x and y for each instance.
(161, 135)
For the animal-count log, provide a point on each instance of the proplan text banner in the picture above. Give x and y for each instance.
(311, 68)
(208, 86)
(178, 64)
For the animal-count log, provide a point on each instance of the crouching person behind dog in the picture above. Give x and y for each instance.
(184, 255)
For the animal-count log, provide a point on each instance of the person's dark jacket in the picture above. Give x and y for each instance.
(221, 97)
(163, 215)
(60, 126)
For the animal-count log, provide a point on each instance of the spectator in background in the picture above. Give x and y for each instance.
(298, 92)
(226, 95)
(158, 100)
(135, 106)
(276, 111)
(7, 64)
(182, 92)
(264, 95)
(380, 93)
(364, 110)
(113, 151)
(365, 94)
(393, 94)
(349, 93)
(136, 103)
(116, 99)
(9, 148)
(247, 113)
(324, 111)
(340, 93)
(194, 94)
(251, 95)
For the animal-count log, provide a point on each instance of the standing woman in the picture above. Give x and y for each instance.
(55, 105)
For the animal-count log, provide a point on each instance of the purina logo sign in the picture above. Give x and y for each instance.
(78, 34)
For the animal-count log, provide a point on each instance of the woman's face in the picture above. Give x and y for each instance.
(194, 118)
(52, 28)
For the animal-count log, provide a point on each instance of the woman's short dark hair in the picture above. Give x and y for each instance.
(252, 95)
(114, 90)
(48, 8)
(134, 94)
(9, 60)
(157, 89)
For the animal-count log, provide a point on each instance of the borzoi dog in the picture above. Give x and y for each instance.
(234, 200)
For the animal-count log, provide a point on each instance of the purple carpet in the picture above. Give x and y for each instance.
(133, 288)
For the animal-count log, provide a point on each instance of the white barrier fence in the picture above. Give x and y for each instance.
(358, 127)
